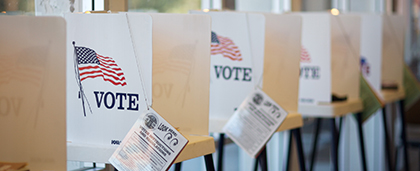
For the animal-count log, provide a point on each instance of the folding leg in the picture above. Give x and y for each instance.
(262, 159)
(209, 162)
(404, 135)
(178, 166)
(387, 145)
(361, 140)
(289, 151)
(298, 138)
(220, 149)
(314, 143)
(334, 144)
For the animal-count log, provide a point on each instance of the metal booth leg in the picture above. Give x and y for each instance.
(387, 145)
(361, 140)
(334, 144)
(262, 159)
(209, 162)
(220, 149)
(404, 135)
(298, 138)
(178, 166)
(315, 143)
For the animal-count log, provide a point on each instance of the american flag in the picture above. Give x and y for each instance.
(224, 46)
(304, 55)
(92, 65)
(364, 66)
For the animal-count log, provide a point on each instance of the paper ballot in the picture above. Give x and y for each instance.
(151, 144)
(255, 121)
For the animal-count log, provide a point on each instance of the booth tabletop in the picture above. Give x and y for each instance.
(196, 147)
(334, 109)
(293, 120)
(389, 96)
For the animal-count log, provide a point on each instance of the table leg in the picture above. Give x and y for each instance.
(361, 140)
(334, 145)
(209, 162)
(315, 143)
(387, 145)
(298, 138)
(220, 149)
(404, 135)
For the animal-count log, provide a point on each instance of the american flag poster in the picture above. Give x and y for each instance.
(315, 60)
(104, 88)
(231, 73)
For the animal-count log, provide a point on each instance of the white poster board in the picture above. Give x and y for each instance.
(315, 74)
(371, 49)
(232, 74)
(108, 73)
(32, 91)
(256, 25)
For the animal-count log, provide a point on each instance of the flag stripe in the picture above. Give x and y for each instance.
(107, 68)
(226, 47)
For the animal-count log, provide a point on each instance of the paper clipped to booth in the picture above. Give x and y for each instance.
(255, 121)
(151, 144)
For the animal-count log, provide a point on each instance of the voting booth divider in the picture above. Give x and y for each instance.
(392, 89)
(181, 67)
(33, 91)
(281, 72)
(329, 80)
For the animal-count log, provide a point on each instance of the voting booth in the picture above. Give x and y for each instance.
(104, 101)
(281, 72)
(392, 89)
(330, 73)
(178, 87)
(32, 91)
(329, 65)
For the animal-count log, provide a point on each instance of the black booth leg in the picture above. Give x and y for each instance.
(298, 138)
(209, 162)
(289, 151)
(220, 150)
(387, 145)
(178, 166)
(256, 164)
(262, 159)
(315, 143)
(361, 140)
(334, 145)
(404, 135)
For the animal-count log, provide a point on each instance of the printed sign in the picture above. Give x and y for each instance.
(105, 92)
(231, 71)
(255, 121)
(315, 66)
(151, 144)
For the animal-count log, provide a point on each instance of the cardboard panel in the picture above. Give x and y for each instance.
(256, 26)
(393, 49)
(282, 59)
(345, 55)
(315, 79)
(181, 70)
(371, 49)
(33, 91)
(113, 95)
(231, 68)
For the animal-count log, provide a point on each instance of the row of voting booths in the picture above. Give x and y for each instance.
(72, 87)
